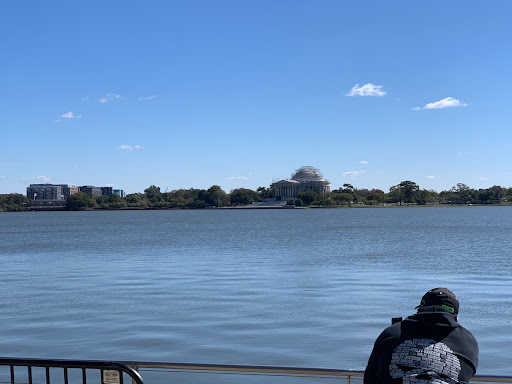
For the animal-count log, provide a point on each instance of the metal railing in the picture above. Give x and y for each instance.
(60, 371)
(320, 373)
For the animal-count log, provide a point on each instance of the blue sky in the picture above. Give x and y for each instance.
(185, 94)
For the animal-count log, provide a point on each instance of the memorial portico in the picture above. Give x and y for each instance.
(305, 178)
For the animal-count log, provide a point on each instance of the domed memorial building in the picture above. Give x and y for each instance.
(303, 179)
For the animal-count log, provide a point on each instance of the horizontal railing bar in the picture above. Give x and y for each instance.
(280, 370)
(243, 368)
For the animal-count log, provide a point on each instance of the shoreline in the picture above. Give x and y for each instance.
(252, 207)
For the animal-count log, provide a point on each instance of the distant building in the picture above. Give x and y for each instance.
(91, 190)
(50, 194)
(106, 191)
(305, 178)
(119, 192)
(68, 189)
(45, 192)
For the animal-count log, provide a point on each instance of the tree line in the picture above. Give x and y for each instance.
(404, 193)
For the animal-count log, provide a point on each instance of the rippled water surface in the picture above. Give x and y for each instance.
(281, 287)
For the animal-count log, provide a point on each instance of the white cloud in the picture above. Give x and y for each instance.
(68, 116)
(237, 178)
(447, 102)
(148, 97)
(109, 97)
(41, 179)
(363, 162)
(127, 147)
(353, 174)
(86, 98)
(109, 185)
(484, 178)
(430, 177)
(366, 90)
(3, 177)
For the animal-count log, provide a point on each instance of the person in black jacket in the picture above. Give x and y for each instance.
(429, 347)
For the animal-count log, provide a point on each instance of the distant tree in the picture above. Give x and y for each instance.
(308, 196)
(347, 188)
(508, 194)
(290, 202)
(484, 196)
(376, 195)
(497, 194)
(405, 191)
(462, 194)
(265, 192)
(342, 198)
(324, 203)
(214, 196)
(153, 195)
(80, 201)
(137, 200)
(243, 196)
(13, 202)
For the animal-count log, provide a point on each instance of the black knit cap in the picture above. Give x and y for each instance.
(442, 297)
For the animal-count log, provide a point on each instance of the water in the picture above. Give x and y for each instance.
(281, 287)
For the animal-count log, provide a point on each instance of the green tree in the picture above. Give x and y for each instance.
(153, 195)
(137, 200)
(342, 198)
(243, 196)
(13, 202)
(376, 195)
(405, 191)
(462, 193)
(308, 196)
(214, 196)
(265, 192)
(497, 194)
(80, 201)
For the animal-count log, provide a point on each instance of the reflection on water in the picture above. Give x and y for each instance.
(293, 287)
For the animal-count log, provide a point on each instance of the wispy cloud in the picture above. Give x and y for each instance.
(430, 177)
(237, 178)
(85, 98)
(41, 179)
(353, 174)
(3, 177)
(109, 97)
(447, 102)
(68, 116)
(484, 178)
(363, 162)
(147, 97)
(366, 90)
(127, 147)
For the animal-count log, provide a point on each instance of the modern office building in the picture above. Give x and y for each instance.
(119, 192)
(68, 189)
(303, 179)
(45, 192)
(91, 190)
(50, 192)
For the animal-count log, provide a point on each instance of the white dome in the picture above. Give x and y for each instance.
(307, 174)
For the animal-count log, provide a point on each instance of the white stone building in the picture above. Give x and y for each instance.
(303, 179)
